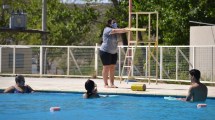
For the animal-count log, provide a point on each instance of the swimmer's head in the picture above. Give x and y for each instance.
(20, 80)
(195, 73)
(90, 85)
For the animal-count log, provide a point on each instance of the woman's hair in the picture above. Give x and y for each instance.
(109, 22)
(89, 86)
(19, 78)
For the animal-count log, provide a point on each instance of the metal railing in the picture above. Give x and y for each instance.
(84, 61)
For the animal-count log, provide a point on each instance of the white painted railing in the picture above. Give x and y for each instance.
(84, 61)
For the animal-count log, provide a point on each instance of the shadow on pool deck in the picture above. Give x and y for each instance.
(77, 85)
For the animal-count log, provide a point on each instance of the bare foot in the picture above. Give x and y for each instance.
(106, 86)
(113, 86)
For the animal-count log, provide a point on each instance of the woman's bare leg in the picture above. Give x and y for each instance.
(105, 73)
(112, 73)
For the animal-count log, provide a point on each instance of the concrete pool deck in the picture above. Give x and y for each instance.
(77, 85)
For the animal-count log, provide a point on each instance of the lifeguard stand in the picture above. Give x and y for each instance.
(133, 41)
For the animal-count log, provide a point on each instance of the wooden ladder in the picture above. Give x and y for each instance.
(128, 63)
(130, 53)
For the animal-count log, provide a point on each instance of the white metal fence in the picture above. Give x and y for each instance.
(84, 61)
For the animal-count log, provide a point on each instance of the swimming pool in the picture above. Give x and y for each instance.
(116, 107)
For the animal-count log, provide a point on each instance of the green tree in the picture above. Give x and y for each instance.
(71, 24)
(67, 24)
(174, 16)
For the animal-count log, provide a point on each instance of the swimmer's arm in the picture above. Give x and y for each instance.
(9, 90)
(85, 95)
(181, 99)
(30, 88)
(189, 96)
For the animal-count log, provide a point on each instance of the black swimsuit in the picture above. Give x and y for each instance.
(26, 90)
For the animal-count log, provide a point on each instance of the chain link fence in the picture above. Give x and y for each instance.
(174, 62)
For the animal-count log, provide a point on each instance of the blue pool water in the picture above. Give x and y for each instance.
(119, 107)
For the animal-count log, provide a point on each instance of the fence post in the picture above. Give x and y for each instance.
(14, 59)
(96, 59)
(176, 67)
(68, 60)
(212, 64)
(146, 64)
(132, 62)
(41, 61)
(161, 62)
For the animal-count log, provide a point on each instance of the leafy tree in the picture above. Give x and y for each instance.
(71, 24)
(67, 24)
(174, 16)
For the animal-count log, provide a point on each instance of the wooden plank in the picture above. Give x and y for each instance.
(135, 29)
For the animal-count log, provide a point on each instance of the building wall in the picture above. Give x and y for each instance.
(203, 55)
(23, 60)
(202, 35)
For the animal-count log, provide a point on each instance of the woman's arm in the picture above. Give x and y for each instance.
(29, 88)
(9, 90)
(118, 30)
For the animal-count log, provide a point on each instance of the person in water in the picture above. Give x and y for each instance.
(91, 88)
(197, 91)
(20, 86)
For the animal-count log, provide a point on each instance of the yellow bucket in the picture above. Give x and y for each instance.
(138, 87)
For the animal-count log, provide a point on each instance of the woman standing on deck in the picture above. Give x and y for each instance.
(108, 52)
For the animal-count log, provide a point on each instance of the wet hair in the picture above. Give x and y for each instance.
(89, 86)
(196, 73)
(19, 78)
